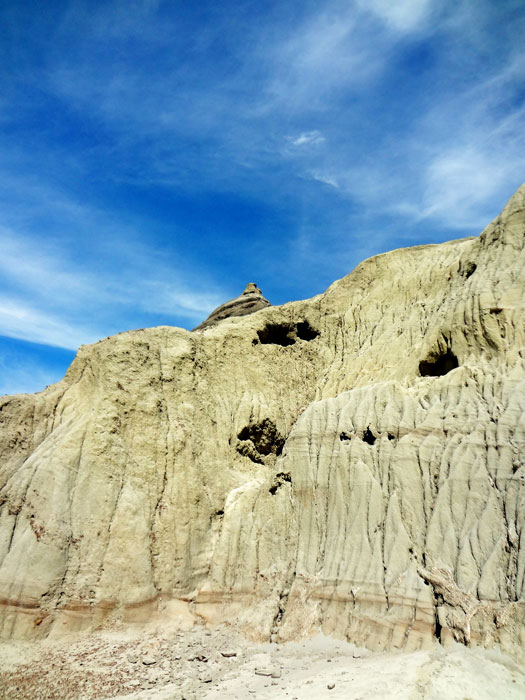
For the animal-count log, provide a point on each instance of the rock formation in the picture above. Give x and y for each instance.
(250, 300)
(352, 463)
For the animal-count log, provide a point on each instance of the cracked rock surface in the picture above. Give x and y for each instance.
(353, 463)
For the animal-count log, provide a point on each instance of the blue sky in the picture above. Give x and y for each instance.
(157, 156)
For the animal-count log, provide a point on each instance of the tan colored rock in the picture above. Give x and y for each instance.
(251, 300)
(352, 463)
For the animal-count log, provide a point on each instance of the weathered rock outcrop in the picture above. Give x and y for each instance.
(354, 462)
(251, 300)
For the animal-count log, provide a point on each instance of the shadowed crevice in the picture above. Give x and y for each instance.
(279, 480)
(286, 334)
(438, 365)
(259, 440)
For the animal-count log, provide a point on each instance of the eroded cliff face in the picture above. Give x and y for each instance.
(352, 463)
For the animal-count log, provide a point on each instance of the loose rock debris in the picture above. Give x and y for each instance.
(200, 665)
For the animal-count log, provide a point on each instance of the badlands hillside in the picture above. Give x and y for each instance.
(352, 464)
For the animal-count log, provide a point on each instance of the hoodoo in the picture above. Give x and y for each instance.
(248, 302)
(352, 463)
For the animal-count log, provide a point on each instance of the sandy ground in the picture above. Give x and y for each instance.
(200, 664)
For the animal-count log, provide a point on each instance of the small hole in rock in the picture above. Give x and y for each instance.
(276, 334)
(279, 480)
(305, 331)
(344, 436)
(390, 436)
(286, 334)
(438, 366)
(369, 437)
(260, 439)
(467, 269)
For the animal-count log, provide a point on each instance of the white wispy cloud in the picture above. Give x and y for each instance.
(402, 15)
(40, 269)
(210, 114)
(18, 320)
(330, 50)
(308, 138)
(70, 291)
(459, 181)
(325, 177)
(461, 159)
(477, 154)
(137, 276)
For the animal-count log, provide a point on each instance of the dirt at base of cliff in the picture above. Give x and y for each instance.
(203, 664)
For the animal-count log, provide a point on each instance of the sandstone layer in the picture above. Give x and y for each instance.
(353, 463)
(248, 302)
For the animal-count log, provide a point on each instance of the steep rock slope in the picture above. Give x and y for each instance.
(353, 462)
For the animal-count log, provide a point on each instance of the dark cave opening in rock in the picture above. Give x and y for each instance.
(279, 480)
(437, 366)
(467, 269)
(286, 334)
(276, 334)
(305, 331)
(369, 437)
(258, 440)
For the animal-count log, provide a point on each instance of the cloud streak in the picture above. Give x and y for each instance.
(403, 16)
(56, 297)
(35, 326)
(308, 138)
